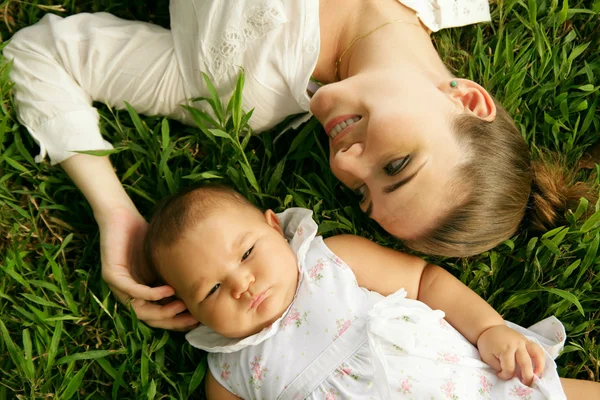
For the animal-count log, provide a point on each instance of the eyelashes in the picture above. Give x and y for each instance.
(218, 285)
(395, 166)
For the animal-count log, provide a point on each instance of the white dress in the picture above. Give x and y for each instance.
(341, 341)
(62, 65)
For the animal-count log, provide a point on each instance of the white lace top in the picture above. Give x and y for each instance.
(62, 65)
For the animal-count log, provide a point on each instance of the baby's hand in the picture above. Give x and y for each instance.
(505, 349)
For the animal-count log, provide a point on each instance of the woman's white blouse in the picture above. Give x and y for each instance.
(62, 65)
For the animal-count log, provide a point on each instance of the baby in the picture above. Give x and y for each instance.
(287, 314)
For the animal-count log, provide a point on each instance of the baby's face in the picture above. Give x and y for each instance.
(235, 271)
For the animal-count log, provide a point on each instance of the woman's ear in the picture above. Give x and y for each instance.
(273, 221)
(471, 97)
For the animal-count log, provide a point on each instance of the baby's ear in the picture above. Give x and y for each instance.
(273, 221)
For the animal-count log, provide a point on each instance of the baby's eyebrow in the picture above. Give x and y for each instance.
(241, 238)
(195, 288)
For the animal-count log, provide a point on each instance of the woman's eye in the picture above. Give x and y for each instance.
(361, 193)
(247, 254)
(393, 167)
(214, 289)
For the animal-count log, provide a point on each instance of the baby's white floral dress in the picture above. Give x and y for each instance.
(341, 341)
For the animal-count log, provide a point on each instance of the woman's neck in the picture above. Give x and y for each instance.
(404, 45)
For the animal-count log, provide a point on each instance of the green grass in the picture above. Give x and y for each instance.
(63, 335)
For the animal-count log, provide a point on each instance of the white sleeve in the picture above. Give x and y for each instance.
(62, 65)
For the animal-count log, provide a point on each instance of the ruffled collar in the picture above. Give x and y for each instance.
(299, 229)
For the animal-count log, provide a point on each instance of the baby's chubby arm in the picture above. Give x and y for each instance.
(385, 271)
(215, 391)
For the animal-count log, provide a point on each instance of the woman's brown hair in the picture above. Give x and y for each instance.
(505, 190)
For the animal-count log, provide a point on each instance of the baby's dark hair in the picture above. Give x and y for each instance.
(183, 211)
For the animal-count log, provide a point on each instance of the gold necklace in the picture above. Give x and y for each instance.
(364, 35)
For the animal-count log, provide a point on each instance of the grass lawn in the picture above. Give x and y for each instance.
(62, 333)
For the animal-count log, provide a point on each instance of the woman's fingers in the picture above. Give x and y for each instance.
(131, 288)
(151, 311)
(182, 322)
(169, 316)
(525, 365)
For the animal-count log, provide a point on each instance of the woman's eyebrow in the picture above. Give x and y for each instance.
(390, 188)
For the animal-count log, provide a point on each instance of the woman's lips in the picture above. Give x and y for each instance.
(337, 120)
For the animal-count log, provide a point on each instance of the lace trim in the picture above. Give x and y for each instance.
(258, 20)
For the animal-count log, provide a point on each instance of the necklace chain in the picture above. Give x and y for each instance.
(364, 35)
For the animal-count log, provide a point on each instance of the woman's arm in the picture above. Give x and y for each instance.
(122, 231)
(62, 65)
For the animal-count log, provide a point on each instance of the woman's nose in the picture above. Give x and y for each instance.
(351, 161)
(240, 283)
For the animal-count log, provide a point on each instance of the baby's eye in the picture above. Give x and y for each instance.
(214, 289)
(247, 254)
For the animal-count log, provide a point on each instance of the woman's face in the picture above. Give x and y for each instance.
(396, 149)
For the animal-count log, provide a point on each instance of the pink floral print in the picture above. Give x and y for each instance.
(345, 370)
(406, 385)
(559, 336)
(331, 394)
(259, 372)
(448, 389)
(299, 231)
(294, 318)
(486, 387)
(225, 372)
(315, 272)
(522, 392)
(451, 358)
(342, 326)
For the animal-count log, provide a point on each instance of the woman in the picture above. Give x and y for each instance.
(436, 161)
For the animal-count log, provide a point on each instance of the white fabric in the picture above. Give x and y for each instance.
(62, 65)
(441, 14)
(411, 352)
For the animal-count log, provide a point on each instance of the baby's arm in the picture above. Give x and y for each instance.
(385, 271)
(216, 391)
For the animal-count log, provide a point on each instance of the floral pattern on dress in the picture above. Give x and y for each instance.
(342, 326)
(331, 394)
(485, 389)
(406, 385)
(448, 357)
(315, 272)
(294, 318)
(225, 372)
(398, 349)
(521, 392)
(449, 389)
(259, 372)
(345, 370)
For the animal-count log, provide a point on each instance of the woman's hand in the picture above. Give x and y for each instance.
(124, 267)
(125, 270)
(505, 349)
(122, 231)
